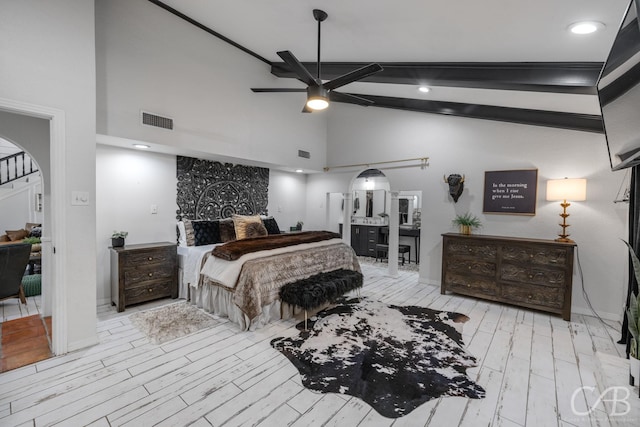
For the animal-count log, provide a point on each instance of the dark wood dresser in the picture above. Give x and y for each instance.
(531, 273)
(143, 272)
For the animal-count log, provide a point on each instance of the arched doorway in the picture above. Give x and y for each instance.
(53, 205)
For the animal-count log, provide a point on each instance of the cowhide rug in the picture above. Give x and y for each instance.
(395, 358)
(171, 321)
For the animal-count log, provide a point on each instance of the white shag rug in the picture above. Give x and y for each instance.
(172, 321)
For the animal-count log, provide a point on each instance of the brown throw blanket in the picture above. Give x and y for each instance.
(231, 251)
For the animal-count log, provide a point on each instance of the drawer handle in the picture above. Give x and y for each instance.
(468, 286)
(150, 258)
(470, 250)
(150, 274)
(531, 276)
(531, 256)
(469, 267)
(529, 296)
(150, 290)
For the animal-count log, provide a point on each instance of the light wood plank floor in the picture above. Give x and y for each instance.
(11, 309)
(531, 365)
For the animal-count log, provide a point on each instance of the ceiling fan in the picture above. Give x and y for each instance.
(318, 93)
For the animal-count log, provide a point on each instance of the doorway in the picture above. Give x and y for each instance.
(24, 328)
(50, 152)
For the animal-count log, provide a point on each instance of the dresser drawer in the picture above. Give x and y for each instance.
(532, 275)
(470, 284)
(468, 249)
(142, 293)
(472, 266)
(535, 255)
(536, 295)
(137, 258)
(134, 275)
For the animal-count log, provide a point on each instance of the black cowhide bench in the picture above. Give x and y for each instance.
(320, 289)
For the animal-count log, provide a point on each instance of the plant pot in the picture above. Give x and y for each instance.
(634, 369)
(465, 229)
(117, 242)
(36, 247)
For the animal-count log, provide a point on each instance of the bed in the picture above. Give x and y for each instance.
(246, 289)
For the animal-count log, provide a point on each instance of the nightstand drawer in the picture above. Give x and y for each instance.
(152, 290)
(134, 275)
(148, 257)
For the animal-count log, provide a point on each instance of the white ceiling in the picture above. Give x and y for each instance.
(414, 30)
(422, 31)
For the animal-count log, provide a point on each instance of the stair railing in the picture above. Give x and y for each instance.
(16, 166)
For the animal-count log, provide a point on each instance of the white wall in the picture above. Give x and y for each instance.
(128, 182)
(471, 147)
(48, 60)
(288, 198)
(148, 59)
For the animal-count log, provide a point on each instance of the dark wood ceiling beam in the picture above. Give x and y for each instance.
(558, 77)
(556, 119)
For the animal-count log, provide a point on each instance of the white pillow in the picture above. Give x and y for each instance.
(182, 234)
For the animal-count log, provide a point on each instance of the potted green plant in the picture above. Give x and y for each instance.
(633, 320)
(117, 238)
(467, 222)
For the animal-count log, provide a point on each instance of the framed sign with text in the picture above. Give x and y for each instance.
(510, 192)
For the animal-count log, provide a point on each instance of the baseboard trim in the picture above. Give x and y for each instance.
(616, 317)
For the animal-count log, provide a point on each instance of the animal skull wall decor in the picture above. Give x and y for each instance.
(456, 185)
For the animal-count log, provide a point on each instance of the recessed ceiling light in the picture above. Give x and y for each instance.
(142, 146)
(586, 27)
(299, 170)
(424, 89)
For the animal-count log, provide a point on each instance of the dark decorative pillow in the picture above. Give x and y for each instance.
(227, 230)
(255, 229)
(206, 232)
(271, 225)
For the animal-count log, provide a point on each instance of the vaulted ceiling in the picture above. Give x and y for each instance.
(495, 59)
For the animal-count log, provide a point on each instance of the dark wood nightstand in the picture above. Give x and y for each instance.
(143, 272)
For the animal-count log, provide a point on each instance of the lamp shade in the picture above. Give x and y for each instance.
(574, 189)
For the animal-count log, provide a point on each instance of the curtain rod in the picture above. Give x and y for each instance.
(424, 161)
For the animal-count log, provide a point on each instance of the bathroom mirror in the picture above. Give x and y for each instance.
(369, 203)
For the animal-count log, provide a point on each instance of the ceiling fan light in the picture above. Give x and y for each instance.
(317, 98)
(317, 103)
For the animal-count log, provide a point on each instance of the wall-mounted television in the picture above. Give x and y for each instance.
(619, 93)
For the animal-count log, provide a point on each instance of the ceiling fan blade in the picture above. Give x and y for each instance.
(302, 73)
(358, 74)
(275, 89)
(350, 99)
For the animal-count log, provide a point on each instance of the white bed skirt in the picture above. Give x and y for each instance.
(219, 301)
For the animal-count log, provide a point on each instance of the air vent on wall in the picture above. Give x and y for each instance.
(157, 121)
(304, 154)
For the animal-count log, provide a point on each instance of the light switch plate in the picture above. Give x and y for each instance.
(80, 198)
